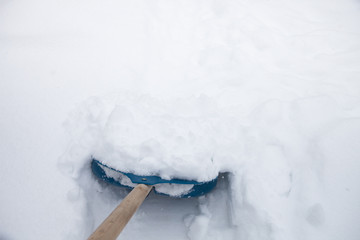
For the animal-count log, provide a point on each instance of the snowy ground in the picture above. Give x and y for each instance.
(274, 85)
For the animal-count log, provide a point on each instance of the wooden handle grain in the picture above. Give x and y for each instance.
(117, 220)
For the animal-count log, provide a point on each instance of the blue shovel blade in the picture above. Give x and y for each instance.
(112, 176)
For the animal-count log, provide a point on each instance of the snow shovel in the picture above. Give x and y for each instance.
(141, 185)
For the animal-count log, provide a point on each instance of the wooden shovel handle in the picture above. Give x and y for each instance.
(116, 221)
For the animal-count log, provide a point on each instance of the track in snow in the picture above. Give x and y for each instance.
(206, 217)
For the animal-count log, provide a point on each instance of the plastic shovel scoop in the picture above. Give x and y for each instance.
(142, 185)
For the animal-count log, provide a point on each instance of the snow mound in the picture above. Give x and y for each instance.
(149, 137)
(277, 153)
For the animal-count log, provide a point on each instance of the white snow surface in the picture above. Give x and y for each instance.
(264, 93)
(119, 177)
(174, 190)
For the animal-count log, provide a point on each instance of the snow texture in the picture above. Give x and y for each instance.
(265, 94)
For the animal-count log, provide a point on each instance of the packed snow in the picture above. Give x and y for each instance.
(148, 137)
(263, 94)
(118, 177)
(173, 190)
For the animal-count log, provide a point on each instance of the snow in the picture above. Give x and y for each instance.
(119, 177)
(264, 93)
(146, 137)
(173, 190)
